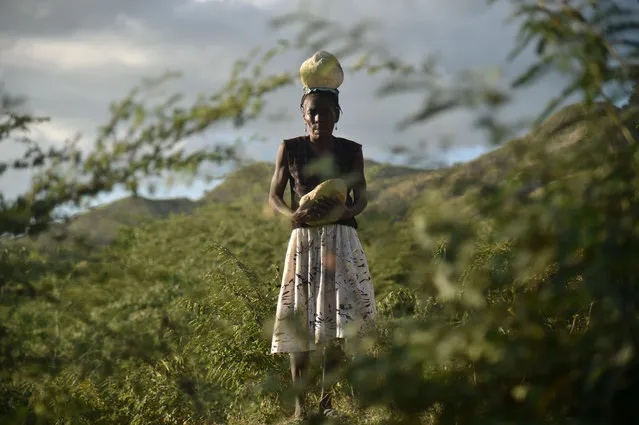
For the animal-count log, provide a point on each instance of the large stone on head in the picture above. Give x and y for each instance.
(322, 70)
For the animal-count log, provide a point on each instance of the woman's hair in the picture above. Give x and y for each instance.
(330, 94)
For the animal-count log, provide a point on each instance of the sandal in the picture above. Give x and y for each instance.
(332, 413)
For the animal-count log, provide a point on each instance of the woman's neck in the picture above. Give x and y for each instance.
(323, 143)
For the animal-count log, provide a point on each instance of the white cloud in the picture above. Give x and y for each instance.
(78, 55)
(55, 130)
(262, 4)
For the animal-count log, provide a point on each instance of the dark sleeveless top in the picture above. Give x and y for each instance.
(304, 178)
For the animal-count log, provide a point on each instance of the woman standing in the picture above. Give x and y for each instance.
(326, 293)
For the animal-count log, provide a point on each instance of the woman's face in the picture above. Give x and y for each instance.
(320, 116)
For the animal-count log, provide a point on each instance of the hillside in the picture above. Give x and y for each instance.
(173, 319)
(101, 224)
(390, 189)
(566, 133)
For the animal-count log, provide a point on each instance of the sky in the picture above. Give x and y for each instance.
(70, 58)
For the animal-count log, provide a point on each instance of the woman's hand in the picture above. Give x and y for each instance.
(302, 216)
(323, 208)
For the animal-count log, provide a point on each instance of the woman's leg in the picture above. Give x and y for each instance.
(333, 356)
(299, 366)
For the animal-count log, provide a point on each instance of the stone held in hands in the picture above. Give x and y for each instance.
(334, 189)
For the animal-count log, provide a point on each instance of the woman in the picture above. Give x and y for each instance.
(326, 283)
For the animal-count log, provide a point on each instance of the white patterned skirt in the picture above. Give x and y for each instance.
(326, 290)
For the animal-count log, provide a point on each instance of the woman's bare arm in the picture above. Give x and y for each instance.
(278, 183)
(360, 198)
